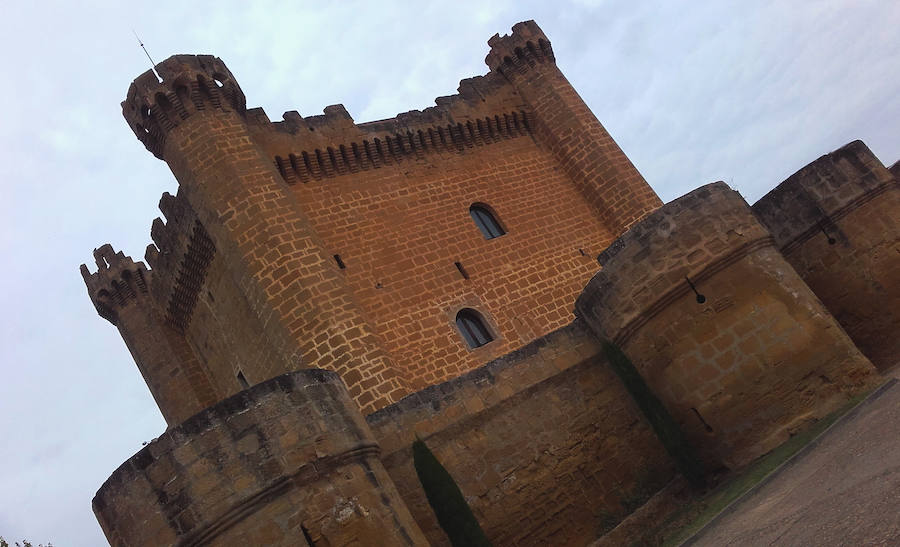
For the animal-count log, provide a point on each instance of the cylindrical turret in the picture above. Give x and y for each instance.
(588, 154)
(120, 292)
(721, 328)
(289, 461)
(194, 120)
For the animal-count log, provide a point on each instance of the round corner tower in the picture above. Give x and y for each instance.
(194, 117)
(564, 123)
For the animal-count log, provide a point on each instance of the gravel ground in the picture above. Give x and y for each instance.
(843, 490)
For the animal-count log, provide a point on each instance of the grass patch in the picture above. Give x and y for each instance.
(687, 521)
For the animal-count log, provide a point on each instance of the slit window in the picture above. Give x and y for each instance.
(472, 328)
(486, 221)
(243, 381)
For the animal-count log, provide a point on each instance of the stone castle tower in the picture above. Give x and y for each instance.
(322, 292)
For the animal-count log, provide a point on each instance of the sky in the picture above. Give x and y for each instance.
(693, 92)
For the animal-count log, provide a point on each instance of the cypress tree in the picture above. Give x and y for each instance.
(660, 420)
(450, 507)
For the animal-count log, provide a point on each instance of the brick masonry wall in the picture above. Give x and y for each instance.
(754, 363)
(400, 229)
(545, 444)
(287, 461)
(837, 222)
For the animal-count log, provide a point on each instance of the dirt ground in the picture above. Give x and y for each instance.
(843, 490)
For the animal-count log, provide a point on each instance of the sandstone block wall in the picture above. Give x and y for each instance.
(288, 462)
(756, 361)
(837, 222)
(544, 443)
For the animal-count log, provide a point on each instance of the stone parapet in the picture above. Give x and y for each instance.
(809, 202)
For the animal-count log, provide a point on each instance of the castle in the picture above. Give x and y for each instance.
(323, 292)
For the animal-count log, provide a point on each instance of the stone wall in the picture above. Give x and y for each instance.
(837, 222)
(545, 444)
(751, 362)
(287, 462)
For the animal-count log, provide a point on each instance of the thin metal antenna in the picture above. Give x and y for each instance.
(147, 53)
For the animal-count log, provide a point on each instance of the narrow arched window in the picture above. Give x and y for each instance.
(486, 221)
(472, 327)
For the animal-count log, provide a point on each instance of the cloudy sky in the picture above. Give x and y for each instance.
(746, 92)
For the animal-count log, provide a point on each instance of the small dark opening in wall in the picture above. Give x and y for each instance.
(581, 252)
(462, 271)
(306, 536)
(243, 381)
(340, 263)
(709, 429)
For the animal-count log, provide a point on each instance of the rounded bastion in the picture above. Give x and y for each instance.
(721, 327)
(289, 461)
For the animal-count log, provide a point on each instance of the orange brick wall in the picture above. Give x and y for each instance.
(400, 229)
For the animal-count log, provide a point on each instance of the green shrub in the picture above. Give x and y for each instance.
(662, 422)
(445, 498)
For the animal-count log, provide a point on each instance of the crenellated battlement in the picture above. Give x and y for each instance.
(117, 282)
(524, 48)
(180, 256)
(352, 157)
(190, 83)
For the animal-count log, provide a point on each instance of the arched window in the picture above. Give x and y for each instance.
(472, 328)
(485, 221)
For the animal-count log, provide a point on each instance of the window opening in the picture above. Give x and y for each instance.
(462, 271)
(340, 263)
(472, 328)
(705, 425)
(486, 222)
